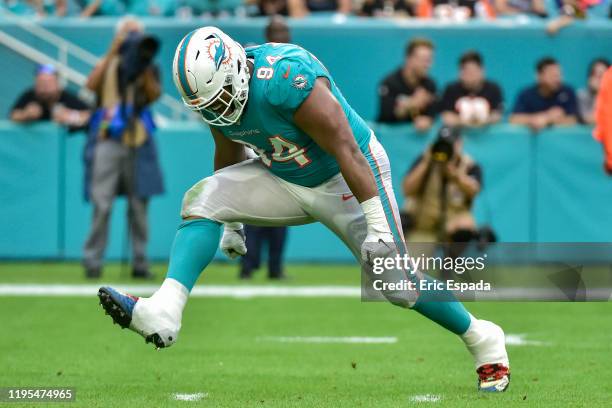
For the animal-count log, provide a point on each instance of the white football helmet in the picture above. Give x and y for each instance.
(211, 74)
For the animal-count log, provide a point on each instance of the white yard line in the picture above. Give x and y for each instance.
(327, 339)
(189, 397)
(425, 398)
(250, 291)
(234, 291)
(520, 340)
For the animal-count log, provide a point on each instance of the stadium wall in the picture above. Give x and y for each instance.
(544, 188)
(359, 52)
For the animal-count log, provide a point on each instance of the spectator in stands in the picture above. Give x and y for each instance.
(37, 7)
(103, 8)
(440, 188)
(302, 8)
(277, 30)
(547, 103)
(513, 7)
(120, 154)
(271, 7)
(275, 237)
(472, 100)
(455, 10)
(568, 11)
(603, 119)
(205, 8)
(47, 101)
(54, 7)
(388, 8)
(160, 8)
(409, 94)
(587, 96)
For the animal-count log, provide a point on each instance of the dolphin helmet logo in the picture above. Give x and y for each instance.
(219, 53)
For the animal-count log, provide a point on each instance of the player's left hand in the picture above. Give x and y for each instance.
(233, 243)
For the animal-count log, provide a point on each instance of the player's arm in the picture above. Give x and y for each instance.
(227, 152)
(323, 119)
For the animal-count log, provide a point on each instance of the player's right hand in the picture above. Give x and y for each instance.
(377, 246)
(233, 242)
(379, 241)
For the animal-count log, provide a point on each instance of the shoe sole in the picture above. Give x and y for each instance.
(112, 307)
(156, 340)
(494, 389)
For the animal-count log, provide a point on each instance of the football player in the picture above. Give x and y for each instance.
(317, 161)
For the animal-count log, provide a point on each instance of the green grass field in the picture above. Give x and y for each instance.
(225, 350)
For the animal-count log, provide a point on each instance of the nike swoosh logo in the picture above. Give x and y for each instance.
(286, 74)
(347, 197)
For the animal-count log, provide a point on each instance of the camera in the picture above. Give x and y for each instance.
(443, 148)
(137, 52)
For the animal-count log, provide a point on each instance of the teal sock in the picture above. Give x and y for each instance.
(194, 246)
(443, 308)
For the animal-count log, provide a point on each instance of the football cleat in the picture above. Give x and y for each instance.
(493, 378)
(135, 314)
(119, 306)
(486, 341)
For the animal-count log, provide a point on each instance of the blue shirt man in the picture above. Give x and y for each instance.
(547, 103)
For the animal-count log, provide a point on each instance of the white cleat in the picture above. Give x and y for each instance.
(143, 315)
(154, 323)
(493, 378)
(486, 342)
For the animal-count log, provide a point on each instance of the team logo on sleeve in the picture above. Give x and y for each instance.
(300, 81)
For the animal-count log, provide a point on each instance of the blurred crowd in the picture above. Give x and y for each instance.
(561, 12)
(440, 186)
(410, 95)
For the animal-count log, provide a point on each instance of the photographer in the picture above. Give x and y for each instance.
(440, 188)
(120, 155)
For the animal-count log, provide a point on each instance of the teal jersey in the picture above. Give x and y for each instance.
(283, 76)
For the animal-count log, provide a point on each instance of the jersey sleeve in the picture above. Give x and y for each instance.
(291, 83)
